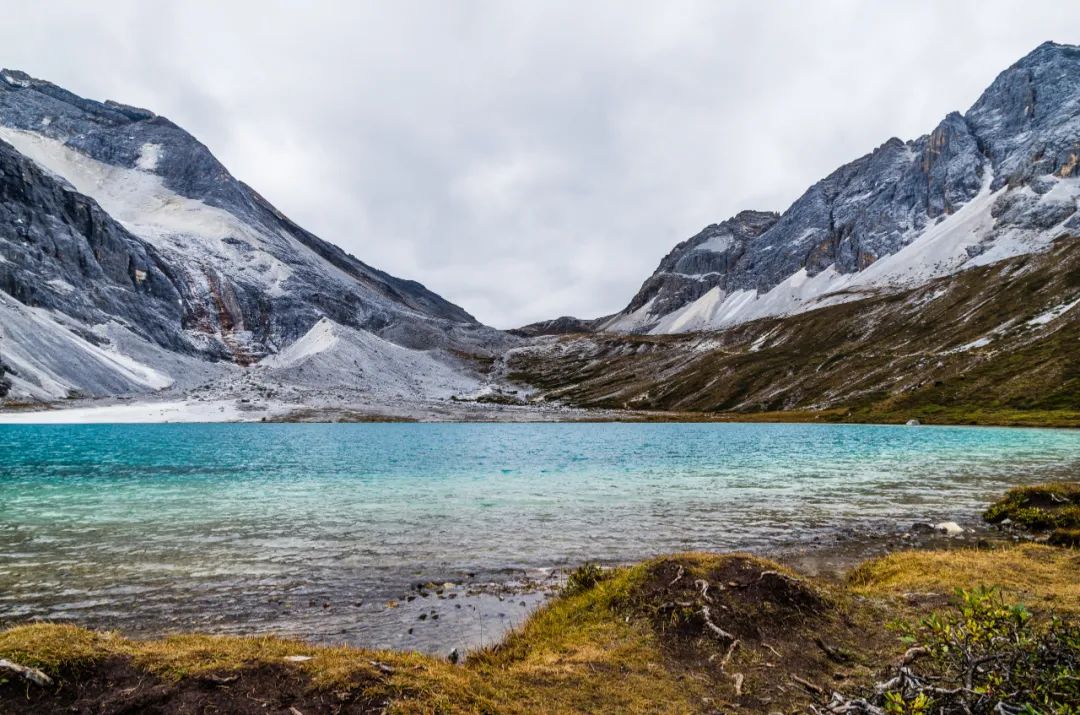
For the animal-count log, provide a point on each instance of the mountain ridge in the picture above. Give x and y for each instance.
(1023, 131)
(133, 263)
(123, 229)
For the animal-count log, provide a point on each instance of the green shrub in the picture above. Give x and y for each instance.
(584, 577)
(988, 657)
(1039, 508)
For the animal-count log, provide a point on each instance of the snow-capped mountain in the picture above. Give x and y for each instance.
(131, 260)
(999, 181)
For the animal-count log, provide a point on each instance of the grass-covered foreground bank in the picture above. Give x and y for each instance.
(688, 633)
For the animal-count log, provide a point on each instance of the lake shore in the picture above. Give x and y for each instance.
(755, 636)
(184, 409)
(435, 537)
(442, 612)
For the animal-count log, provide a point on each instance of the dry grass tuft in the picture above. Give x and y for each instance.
(1039, 576)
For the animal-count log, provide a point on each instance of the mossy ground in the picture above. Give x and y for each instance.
(1041, 508)
(636, 641)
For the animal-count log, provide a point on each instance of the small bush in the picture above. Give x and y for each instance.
(986, 657)
(584, 577)
(1039, 507)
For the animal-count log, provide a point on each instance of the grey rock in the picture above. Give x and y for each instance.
(951, 528)
(559, 326)
(63, 252)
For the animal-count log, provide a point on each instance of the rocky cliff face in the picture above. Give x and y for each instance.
(125, 246)
(998, 181)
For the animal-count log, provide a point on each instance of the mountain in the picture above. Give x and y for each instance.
(936, 278)
(999, 181)
(132, 261)
(994, 344)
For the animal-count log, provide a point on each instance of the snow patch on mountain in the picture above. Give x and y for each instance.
(42, 348)
(967, 238)
(1053, 314)
(142, 203)
(333, 354)
(319, 339)
(716, 244)
(149, 156)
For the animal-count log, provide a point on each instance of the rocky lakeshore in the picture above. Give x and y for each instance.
(702, 633)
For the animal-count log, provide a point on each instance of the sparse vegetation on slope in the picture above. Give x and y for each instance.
(1040, 576)
(992, 345)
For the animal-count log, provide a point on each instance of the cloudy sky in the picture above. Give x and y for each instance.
(530, 159)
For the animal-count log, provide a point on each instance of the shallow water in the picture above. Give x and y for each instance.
(312, 529)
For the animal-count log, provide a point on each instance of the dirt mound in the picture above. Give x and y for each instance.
(115, 686)
(761, 633)
(727, 597)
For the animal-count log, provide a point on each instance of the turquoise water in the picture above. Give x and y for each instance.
(243, 527)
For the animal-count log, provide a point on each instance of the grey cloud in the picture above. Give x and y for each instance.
(528, 160)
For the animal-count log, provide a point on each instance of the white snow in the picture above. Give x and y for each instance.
(940, 249)
(16, 82)
(964, 239)
(136, 412)
(145, 206)
(1053, 314)
(319, 339)
(633, 320)
(1064, 190)
(332, 354)
(716, 309)
(716, 244)
(43, 351)
(977, 343)
(759, 343)
(61, 285)
(149, 156)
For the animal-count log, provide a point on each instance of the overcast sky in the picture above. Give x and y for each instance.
(530, 159)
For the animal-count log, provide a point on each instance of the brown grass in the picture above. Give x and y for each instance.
(1039, 576)
(616, 646)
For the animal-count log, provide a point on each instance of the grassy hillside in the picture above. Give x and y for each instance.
(990, 345)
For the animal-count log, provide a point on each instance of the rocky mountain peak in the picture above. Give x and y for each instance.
(116, 216)
(1024, 130)
(1028, 119)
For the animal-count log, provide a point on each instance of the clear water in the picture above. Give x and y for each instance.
(311, 529)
